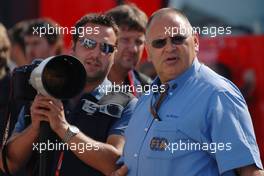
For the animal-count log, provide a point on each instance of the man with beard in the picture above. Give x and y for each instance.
(91, 124)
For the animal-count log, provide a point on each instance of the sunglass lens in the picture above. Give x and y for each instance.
(159, 43)
(177, 40)
(107, 48)
(89, 43)
(113, 109)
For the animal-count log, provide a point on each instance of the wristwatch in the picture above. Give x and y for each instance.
(71, 131)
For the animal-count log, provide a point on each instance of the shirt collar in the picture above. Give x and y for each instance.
(102, 89)
(179, 80)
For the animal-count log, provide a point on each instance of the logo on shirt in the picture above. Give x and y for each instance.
(172, 116)
(158, 143)
(89, 107)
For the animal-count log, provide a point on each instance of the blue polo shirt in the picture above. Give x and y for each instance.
(205, 129)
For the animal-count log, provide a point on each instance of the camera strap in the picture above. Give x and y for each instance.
(58, 168)
(4, 157)
(5, 130)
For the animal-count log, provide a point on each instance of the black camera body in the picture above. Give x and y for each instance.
(62, 77)
(22, 89)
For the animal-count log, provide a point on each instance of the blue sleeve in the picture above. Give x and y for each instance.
(121, 124)
(20, 124)
(120, 161)
(230, 123)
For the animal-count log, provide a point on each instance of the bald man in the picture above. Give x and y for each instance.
(199, 125)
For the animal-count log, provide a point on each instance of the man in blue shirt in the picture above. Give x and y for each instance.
(200, 125)
(92, 125)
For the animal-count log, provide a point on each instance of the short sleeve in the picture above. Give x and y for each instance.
(121, 124)
(20, 124)
(230, 123)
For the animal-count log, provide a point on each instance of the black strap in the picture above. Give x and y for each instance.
(4, 158)
(6, 110)
(5, 127)
(143, 79)
(9, 126)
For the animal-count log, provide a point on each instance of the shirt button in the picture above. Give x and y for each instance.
(135, 155)
(146, 129)
(170, 93)
(174, 86)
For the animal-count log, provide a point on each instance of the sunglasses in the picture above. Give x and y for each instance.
(111, 109)
(176, 40)
(91, 44)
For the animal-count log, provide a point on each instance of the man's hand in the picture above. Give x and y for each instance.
(48, 109)
(36, 112)
(122, 171)
(250, 170)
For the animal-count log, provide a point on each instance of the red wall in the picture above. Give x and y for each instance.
(67, 12)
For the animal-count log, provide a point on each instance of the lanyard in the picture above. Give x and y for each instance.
(57, 173)
(131, 82)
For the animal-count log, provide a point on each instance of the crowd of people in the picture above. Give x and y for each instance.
(195, 122)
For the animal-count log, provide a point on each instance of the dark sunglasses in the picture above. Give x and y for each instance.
(91, 44)
(112, 109)
(176, 40)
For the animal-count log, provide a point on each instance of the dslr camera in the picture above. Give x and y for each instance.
(61, 77)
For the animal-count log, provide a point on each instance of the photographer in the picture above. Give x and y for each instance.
(85, 119)
(35, 47)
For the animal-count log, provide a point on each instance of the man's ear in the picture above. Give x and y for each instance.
(196, 42)
(56, 48)
(72, 50)
(148, 52)
(53, 49)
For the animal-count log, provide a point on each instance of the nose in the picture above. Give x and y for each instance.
(133, 47)
(94, 53)
(169, 46)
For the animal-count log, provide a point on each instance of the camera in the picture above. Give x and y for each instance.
(61, 77)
